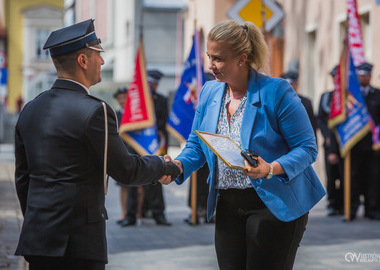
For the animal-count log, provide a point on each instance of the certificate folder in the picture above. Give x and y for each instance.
(224, 148)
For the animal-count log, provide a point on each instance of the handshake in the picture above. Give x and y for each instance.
(172, 169)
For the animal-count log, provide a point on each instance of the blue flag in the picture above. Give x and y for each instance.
(356, 125)
(186, 98)
(143, 141)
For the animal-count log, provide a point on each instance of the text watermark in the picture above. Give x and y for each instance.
(359, 257)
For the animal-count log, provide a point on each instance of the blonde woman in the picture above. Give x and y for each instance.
(261, 212)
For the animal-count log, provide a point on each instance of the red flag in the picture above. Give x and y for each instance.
(355, 39)
(338, 102)
(138, 110)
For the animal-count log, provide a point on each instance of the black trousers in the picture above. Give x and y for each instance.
(154, 199)
(132, 203)
(63, 263)
(365, 181)
(334, 194)
(202, 188)
(248, 236)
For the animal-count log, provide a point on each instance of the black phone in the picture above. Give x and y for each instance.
(252, 159)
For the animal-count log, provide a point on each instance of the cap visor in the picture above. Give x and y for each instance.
(96, 47)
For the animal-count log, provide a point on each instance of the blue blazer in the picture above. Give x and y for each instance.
(276, 125)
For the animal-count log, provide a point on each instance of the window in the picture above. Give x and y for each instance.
(41, 37)
(366, 35)
(311, 61)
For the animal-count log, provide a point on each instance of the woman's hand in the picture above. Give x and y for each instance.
(166, 179)
(260, 171)
(167, 158)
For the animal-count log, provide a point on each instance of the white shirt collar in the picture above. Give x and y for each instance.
(87, 90)
(365, 90)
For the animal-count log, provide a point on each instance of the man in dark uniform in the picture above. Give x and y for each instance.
(364, 160)
(120, 96)
(154, 199)
(292, 78)
(65, 142)
(333, 159)
(131, 197)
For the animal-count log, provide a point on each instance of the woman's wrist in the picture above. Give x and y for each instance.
(270, 173)
(179, 164)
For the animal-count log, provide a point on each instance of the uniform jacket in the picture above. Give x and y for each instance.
(59, 148)
(372, 100)
(161, 112)
(276, 125)
(310, 112)
(323, 118)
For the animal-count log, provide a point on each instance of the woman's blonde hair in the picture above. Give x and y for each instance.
(245, 38)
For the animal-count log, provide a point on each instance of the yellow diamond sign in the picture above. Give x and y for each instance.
(252, 10)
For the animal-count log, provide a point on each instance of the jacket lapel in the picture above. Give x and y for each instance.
(213, 115)
(253, 101)
(214, 109)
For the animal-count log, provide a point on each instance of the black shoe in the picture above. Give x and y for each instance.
(190, 222)
(119, 221)
(334, 212)
(374, 216)
(128, 222)
(211, 221)
(352, 217)
(161, 220)
(330, 212)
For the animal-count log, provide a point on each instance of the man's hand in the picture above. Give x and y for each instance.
(171, 171)
(333, 158)
(177, 162)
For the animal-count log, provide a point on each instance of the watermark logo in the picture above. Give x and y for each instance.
(359, 257)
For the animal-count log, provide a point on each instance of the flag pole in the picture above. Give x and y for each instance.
(347, 158)
(194, 174)
(194, 198)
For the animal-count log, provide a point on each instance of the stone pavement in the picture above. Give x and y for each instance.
(328, 243)
(10, 213)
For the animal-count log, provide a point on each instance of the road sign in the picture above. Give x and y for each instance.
(251, 10)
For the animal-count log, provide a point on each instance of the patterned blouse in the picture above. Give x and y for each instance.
(231, 178)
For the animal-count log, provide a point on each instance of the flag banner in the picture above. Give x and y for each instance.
(138, 110)
(355, 39)
(186, 98)
(144, 141)
(356, 124)
(3, 85)
(375, 135)
(338, 101)
(138, 123)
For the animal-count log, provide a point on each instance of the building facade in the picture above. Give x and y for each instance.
(30, 70)
(308, 38)
(314, 31)
(120, 24)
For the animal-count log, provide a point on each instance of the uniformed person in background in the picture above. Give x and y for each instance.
(153, 194)
(292, 78)
(364, 160)
(131, 197)
(333, 159)
(120, 96)
(63, 151)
